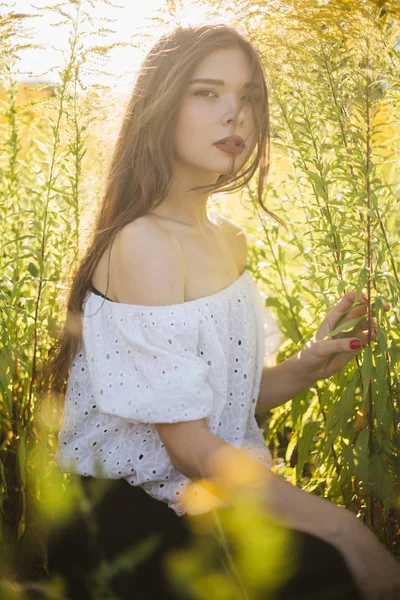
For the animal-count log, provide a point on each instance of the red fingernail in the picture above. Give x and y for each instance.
(364, 297)
(355, 344)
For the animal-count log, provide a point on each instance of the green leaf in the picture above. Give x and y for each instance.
(129, 559)
(381, 402)
(338, 415)
(41, 146)
(341, 286)
(362, 281)
(307, 436)
(348, 311)
(33, 270)
(361, 455)
(299, 406)
(366, 369)
(291, 446)
(348, 457)
(380, 477)
(346, 326)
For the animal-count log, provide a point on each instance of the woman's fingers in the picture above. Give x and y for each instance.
(343, 312)
(344, 304)
(324, 348)
(338, 312)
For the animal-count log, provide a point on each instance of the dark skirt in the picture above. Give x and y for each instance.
(126, 517)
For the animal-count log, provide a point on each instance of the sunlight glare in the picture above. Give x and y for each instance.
(136, 23)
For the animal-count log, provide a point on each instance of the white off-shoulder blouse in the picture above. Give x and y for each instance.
(141, 365)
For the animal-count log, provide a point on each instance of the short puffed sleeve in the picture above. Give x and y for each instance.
(143, 362)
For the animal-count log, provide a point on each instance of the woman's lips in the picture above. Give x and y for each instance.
(230, 148)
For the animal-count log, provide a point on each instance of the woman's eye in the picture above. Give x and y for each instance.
(202, 92)
(251, 98)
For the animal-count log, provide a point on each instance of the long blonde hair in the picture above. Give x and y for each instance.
(140, 169)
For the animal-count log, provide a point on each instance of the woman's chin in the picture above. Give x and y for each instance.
(227, 171)
(229, 168)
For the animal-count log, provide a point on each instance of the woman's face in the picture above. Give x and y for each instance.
(213, 110)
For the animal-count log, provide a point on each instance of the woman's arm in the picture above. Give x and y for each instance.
(228, 472)
(281, 383)
(204, 456)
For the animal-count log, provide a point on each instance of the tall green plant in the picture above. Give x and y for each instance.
(44, 178)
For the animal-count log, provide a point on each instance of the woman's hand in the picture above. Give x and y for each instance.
(374, 569)
(321, 357)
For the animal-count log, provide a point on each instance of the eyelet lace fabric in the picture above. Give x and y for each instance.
(142, 365)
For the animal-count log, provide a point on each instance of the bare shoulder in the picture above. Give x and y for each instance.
(147, 265)
(236, 236)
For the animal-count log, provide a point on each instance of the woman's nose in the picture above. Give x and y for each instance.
(237, 118)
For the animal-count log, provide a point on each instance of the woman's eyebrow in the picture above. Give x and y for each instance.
(218, 82)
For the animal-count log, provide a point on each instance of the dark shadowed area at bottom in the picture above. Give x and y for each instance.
(126, 515)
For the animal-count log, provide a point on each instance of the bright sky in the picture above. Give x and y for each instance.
(134, 17)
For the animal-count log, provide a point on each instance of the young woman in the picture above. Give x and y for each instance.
(161, 357)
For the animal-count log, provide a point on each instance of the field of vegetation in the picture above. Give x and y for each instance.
(333, 71)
